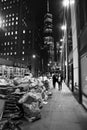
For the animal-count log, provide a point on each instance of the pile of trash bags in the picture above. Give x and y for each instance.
(26, 96)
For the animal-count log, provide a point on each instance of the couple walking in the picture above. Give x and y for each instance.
(57, 78)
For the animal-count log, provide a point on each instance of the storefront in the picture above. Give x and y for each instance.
(83, 62)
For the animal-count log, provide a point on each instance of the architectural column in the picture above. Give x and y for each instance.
(75, 45)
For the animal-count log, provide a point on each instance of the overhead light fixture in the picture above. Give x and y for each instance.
(66, 3)
(63, 27)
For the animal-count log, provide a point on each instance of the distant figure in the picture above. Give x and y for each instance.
(60, 78)
(54, 80)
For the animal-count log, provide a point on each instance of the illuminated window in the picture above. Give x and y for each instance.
(11, 53)
(23, 41)
(15, 53)
(8, 43)
(11, 33)
(29, 31)
(15, 37)
(3, 21)
(12, 19)
(13, 1)
(15, 42)
(6, 20)
(23, 52)
(23, 58)
(6, 24)
(11, 48)
(16, 18)
(12, 14)
(7, 53)
(9, 24)
(6, 34)
(12, 23)
(9, 20)
(5, 43)
(11, 43)
(4, 8)
(10, 2)
(10, 7)
(9, 15)
(4, 53)
(16, 32)
(16, 23)
(3, 25)
(23, 31)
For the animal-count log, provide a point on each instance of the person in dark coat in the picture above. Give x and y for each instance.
(54, 80)
(60, 79)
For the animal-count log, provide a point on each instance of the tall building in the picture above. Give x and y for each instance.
(48, 33)
(15, 32)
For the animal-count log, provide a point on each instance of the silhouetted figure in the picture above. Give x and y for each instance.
(60, 78)
(54, 80)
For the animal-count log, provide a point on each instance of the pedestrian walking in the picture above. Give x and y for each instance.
(60, 78)
(54, 79)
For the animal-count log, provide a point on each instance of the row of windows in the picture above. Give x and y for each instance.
(8, 7)
(9, 24)
(8, 43)
(12, 1)
(11, 33)
(10, 19)
(11, 15)
(11, 43)
(11, 53)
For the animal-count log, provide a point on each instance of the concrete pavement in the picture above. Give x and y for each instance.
(62, 112)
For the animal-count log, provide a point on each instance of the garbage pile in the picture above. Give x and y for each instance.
(24, 97)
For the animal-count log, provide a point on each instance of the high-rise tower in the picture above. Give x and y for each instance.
(48, 33)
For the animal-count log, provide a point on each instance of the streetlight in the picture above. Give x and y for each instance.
(63, 27)
(33, 56)
(66, 3)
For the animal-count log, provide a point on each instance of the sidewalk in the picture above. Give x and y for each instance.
(62, 112)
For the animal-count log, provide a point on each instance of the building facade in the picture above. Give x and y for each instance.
(16, 33)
